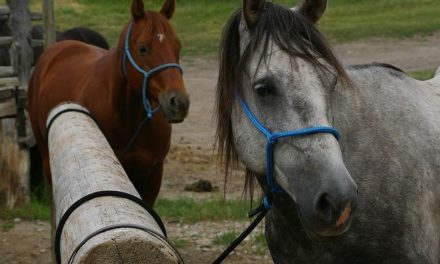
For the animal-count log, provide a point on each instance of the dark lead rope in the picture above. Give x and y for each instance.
(273, 187)
(91, 196)
(261, 211)
(133, 138)
(107, 228)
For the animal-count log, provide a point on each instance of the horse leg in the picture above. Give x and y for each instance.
(149, 189)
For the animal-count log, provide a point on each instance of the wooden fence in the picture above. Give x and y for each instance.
(99, 214)
(16, 61)
(15, 134)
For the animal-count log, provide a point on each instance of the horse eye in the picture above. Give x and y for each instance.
(262, 89)
(143, 49)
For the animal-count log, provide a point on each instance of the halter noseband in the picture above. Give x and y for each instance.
(147, 74)
(272, 138)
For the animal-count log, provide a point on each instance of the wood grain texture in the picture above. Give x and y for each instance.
(14, 159)
(8, 108)
(14, 167)
(82, 162)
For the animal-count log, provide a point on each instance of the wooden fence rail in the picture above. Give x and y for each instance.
(82, 164)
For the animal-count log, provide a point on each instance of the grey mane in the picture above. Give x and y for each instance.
(386, 66)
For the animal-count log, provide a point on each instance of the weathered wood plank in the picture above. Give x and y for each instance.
(4, 10)
(36, 16)
(82, 162)
(24, 131)
(6, 71)
(5, 41)
(37, 43)
(8, 108)
(9, 81)
(14, 160)
(14, 167)
(7, 93)
(49, 23)
(21, 55)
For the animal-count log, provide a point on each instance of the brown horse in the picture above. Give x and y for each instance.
(134, 91)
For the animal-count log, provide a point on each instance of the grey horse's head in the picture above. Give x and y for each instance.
(278, 62)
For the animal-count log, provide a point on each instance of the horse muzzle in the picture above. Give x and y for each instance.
(175, 106)
(327, 211)
(331, 212)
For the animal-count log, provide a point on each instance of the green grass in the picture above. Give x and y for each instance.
(423, 75)
(179, 242)
(226, 239)
(356, 19)
(257, 244)
(33, 211)
(199, 22)
(7, 225)
(191, 211)
(261, 244)
(38, 208)
(185, 210)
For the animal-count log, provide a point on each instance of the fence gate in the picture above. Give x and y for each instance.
(15, 131)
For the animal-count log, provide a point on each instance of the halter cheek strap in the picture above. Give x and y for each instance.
(272, 138)
(147, 74)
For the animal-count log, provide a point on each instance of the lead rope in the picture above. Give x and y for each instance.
(260, 213)
(273, 187)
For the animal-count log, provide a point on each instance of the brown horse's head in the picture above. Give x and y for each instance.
(151, 56)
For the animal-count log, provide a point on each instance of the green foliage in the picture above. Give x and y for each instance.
(179, 242)
(422, 75)
(226, 238)
(260, 244)
(7, 225)
(350, 19)
(192, 211)
(38, 208)
(257, 243)
(199, 23)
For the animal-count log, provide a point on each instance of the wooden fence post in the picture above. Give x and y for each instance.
(82, 163)
(14, 160)
(49, 23)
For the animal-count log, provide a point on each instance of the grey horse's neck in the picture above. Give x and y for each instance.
(390, 131)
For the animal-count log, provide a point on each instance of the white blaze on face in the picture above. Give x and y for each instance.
(160, 36)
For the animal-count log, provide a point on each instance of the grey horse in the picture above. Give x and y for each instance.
(371, 197)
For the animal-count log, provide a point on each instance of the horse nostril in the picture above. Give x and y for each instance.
(178, 103)
(324, 207)
(173, 101)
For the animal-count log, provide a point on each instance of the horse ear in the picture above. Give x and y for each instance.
(312, 9)
(168, 8)
(252, 10)
(137, 9)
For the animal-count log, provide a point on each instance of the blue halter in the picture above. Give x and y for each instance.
(147, 74)
(272, 138)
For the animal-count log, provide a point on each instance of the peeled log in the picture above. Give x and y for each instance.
(82, 162)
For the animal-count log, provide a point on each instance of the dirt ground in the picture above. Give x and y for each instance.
(191, 157)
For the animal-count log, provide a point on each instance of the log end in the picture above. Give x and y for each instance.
(131, 249)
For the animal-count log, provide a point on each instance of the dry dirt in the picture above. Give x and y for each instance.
(191, 157)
